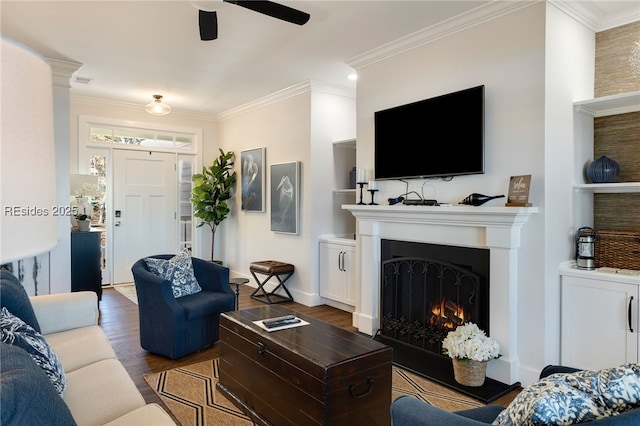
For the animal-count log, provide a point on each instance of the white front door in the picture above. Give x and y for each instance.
(145, 220)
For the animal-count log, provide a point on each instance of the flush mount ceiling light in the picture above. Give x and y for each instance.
(157, 107)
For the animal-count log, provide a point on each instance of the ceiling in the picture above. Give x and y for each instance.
(131, 50)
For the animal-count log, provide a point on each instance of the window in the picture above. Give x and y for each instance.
(140, 137)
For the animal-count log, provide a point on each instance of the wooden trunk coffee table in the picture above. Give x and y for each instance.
(315, 374)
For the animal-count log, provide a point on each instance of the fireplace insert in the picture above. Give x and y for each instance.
(423, 299)
(426, 290)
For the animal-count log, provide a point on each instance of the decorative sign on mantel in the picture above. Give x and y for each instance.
(519, 191)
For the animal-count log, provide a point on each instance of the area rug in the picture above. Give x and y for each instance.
(191, 395)
(128, 291)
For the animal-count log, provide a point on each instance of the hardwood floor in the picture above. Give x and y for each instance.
(119, 320)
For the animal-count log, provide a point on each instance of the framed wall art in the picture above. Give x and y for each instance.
(253, 179)
(285, 197)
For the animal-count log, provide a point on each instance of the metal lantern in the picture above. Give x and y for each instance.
(586, 248)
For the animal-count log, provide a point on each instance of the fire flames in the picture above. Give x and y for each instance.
(447, 314)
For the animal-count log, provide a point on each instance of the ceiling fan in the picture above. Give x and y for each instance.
(208, 20)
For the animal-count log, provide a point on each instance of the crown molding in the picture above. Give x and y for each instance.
(110, 103)
(286, 93)
(593, 17)
(479, 15)
(62, 71)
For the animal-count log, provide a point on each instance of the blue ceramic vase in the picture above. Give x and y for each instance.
(603, 170)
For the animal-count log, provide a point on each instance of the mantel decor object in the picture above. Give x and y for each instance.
(603, 170)
(519, 191)
(372, 188)
(476, 199)
(361, 181)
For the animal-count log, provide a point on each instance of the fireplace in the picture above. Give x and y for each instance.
(429, 289)
(494, 229)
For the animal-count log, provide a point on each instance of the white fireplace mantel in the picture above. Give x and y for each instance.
(493, 228)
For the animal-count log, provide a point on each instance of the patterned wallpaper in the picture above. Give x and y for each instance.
(617, 53)
(618, 136)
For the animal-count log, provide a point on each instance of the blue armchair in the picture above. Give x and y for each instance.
(410, 411)
(174, 327)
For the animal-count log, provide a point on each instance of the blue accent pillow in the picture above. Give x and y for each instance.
(178, 271)
(14, 297)
(570, 398)
(14, 331)
(27, 396)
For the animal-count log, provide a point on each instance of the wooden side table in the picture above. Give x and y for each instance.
(238, 282)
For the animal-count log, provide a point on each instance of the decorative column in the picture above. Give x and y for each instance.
(60, 257)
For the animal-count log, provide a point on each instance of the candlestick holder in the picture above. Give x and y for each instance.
(372, 191)
(362, 184)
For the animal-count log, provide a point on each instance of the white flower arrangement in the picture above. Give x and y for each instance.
(469, 342)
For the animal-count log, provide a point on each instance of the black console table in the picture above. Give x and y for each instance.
(85, 262)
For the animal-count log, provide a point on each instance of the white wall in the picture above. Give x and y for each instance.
(569, 70)
(283, 129)
(333, 118)
(507, 55)
(300, 127)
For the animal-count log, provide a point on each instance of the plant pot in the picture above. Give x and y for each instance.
(469, 372)
(84, 225)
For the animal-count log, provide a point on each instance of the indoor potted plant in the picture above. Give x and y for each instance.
(470, 349)
(211, 190)
(84, 222)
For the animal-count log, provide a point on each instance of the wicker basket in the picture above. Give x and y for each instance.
(469, 372)
(618, 249)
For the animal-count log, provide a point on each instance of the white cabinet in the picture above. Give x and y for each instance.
(337, 271)
(599, 310)
(599, 317)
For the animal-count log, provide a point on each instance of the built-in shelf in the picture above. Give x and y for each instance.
(610, 105)
(344, 163)
(609, 188)
(346, 143)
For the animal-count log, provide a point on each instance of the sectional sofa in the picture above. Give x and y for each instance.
(88, 387)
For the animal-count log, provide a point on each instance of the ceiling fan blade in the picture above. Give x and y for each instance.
(208, 25)
(275, 10)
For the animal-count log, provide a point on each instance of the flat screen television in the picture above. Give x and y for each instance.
(436, 137)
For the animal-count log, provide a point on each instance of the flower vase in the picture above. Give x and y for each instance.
(469, 372)
(84, 225)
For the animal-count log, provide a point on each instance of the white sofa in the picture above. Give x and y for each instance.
(99, 390)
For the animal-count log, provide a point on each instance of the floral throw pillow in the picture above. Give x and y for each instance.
(571, 398)
(16, 332)
(178, 271)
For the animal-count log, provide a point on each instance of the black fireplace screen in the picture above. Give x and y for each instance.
(423, 299)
